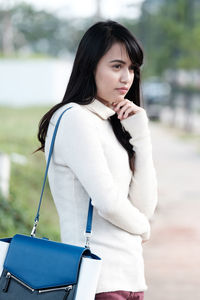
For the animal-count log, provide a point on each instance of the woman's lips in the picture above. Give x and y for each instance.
(122, 90)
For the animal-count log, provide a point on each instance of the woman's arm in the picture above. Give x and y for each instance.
(78, 147)
(143, 186)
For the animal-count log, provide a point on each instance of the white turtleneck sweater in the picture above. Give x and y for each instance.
(88, 161)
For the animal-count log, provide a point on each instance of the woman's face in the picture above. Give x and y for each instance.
(114, 71)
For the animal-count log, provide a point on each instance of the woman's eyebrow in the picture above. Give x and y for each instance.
(118, 60)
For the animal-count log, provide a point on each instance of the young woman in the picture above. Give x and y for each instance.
(103, 150)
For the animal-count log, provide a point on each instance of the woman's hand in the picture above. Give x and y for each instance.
(125, 108)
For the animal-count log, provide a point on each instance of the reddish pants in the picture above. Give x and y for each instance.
(120, 295)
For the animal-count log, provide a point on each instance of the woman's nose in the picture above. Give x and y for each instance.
(126, 77)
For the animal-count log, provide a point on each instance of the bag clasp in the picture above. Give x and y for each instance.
(87, 239)
(33, 232)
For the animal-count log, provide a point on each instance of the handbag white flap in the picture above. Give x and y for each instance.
(3, 251)
(88, 278)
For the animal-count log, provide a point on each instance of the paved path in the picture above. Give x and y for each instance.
(172, 256)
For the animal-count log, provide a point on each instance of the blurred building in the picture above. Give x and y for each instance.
(33, 82)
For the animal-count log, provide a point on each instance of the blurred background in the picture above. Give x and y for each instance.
(38, 41)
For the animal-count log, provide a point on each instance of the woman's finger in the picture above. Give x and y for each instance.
(121, 103)
(124, 108)
(128, 112)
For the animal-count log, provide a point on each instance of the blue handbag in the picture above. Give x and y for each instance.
(37, 268)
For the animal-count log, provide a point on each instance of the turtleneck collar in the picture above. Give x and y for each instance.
(100, 109)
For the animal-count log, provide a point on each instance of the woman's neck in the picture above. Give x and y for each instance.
(107, 103)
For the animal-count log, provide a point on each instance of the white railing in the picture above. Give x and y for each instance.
(4, 174)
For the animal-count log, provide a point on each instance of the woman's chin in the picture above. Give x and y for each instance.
(119, 99)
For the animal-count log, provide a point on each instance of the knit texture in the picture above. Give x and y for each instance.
(88, 161)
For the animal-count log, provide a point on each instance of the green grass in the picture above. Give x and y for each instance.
(18, 133)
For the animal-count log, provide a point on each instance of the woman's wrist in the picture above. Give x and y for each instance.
(137, 125)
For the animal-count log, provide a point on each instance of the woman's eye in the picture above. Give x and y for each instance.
(117, 66)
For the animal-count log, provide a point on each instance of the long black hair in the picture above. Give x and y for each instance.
(81, 88)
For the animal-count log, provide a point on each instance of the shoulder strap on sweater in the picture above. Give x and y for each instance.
(88, 229)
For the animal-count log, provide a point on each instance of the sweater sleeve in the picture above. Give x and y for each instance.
(143, 186)
(78, 147)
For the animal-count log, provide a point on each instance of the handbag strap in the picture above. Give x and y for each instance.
(88, 230)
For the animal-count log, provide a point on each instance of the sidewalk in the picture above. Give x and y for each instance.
(172, 256)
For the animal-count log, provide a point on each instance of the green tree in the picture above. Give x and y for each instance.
(169, 31)
(39, 31)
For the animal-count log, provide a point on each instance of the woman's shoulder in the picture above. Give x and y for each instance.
(74, 109)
